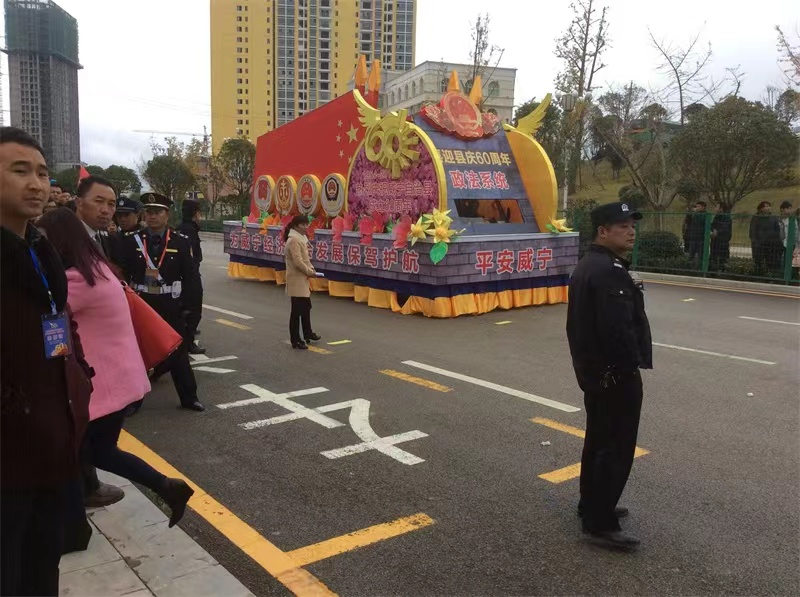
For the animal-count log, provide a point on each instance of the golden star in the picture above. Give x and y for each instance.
(352, 133)
(338, 138)
(341, 153)
(339, 124)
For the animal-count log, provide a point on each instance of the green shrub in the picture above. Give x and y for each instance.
(678, 265)
(659, 244)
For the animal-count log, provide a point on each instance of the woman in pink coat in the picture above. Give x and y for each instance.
(98, 304)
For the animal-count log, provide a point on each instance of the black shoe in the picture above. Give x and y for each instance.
(619, 512)
(105, 495)
(313, 338)
(176, 493)
(300, 344)
(196, 405)
(613, 539)
(133, 408)
(196, 349)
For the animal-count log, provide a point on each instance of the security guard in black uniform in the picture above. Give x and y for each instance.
(126, 217)
(158, 265)
(609, 339)
(190, 228)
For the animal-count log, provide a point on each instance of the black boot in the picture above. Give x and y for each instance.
(176, 493)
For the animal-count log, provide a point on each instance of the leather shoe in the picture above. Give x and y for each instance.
(196, 405)
(105, 495)
(300, 344)
(176, 493)
(619, 512)
(195, 348)
(313, 338)
(613, 539)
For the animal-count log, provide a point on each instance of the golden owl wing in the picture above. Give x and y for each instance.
(367, 115)
(530, 124)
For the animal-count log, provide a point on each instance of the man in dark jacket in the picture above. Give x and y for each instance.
(191, 229)
(44, 379)
(765, 239)
(609, 339)
(721, 231)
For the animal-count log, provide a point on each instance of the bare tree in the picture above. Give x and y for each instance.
(686, 68)
(485, 57)
(790, 56)
(581, 49)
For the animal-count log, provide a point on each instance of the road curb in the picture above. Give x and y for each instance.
(718, 283)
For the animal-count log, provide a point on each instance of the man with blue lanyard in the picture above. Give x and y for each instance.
(44, 379)
(158, 264)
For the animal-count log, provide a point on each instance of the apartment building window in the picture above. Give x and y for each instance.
(239, 112)
(238, 61)
(238, 30)
(238, 81)
(238, 40)
(238, 71)
(239, 122)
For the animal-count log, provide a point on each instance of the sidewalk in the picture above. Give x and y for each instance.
(132, 552)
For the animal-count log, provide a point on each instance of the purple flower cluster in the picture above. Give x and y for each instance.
(372, 189)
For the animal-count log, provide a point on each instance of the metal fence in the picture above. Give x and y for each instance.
(733, 246)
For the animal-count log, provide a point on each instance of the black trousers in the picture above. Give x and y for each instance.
(301, 312)
(612, 424)
(31, 539)
(101, 442)
(192, 318)
(178, 362)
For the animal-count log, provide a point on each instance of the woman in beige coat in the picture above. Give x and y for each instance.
(298, 271)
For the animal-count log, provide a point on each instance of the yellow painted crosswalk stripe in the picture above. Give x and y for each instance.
(431, 385)
(232, 324)
(319, 350)
(338, 342)
(357, 539)
(573, 470)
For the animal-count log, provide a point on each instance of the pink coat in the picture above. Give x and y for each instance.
(106, 329)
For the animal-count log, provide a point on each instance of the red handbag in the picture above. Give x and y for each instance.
(156, 338)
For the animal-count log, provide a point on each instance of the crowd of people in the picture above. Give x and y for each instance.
(72, 367)
(769, 237)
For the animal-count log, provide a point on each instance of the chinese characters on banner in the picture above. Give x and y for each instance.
(507, 261)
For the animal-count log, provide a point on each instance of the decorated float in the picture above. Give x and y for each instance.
(446, 212)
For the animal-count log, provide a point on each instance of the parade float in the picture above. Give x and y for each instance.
(446, 212)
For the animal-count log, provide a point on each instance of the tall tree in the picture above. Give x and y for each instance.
(733, 149)
(789, 56)
(124, 179)
(581, 49)
(550, 134)
(485, 57)
(625, 103)
(237, 158)
(67, 179)
(686, 69)
(168, 175)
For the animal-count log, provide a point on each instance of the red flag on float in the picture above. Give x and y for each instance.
(83, 174)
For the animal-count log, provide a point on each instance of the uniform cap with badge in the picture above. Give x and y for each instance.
(126, 205)
(151, 200)
(612, 213)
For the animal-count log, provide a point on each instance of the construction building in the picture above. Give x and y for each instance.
(274, 60)
(42, 48)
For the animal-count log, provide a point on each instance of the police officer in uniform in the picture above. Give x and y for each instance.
(126, 218)
(609, 339)
(190, 228)
(158, 265)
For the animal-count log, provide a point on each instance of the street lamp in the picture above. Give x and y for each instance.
(568, 101)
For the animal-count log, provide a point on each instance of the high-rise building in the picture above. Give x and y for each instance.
(275, 60)
(42, 47)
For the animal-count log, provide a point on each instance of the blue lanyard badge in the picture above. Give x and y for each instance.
(55, 326)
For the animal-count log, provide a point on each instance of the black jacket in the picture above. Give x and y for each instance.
(44, 402)
(607, 327)
(191, 230)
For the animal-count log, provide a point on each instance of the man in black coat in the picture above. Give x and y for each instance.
(190, 228)
(44, 378)
(609, 339)
(158, 264)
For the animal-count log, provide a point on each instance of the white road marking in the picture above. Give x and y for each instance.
(497, 387)
(214, 369)
(226, 312)
(769, 320)
(715, 354)
(269, 397)
(201, 359)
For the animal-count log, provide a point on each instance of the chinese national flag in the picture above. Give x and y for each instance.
(83, 174)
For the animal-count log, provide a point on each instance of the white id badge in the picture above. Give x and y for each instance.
(176, 289)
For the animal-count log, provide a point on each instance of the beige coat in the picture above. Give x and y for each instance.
(298, 265)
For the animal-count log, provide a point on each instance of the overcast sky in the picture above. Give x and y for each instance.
(146, 62)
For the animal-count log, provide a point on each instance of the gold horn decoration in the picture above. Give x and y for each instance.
(453, 85)
(476, 93)
(374, 83)
(361, 75)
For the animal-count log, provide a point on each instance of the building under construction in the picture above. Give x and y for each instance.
(42, 47)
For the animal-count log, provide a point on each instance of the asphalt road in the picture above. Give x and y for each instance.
(714, 499)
